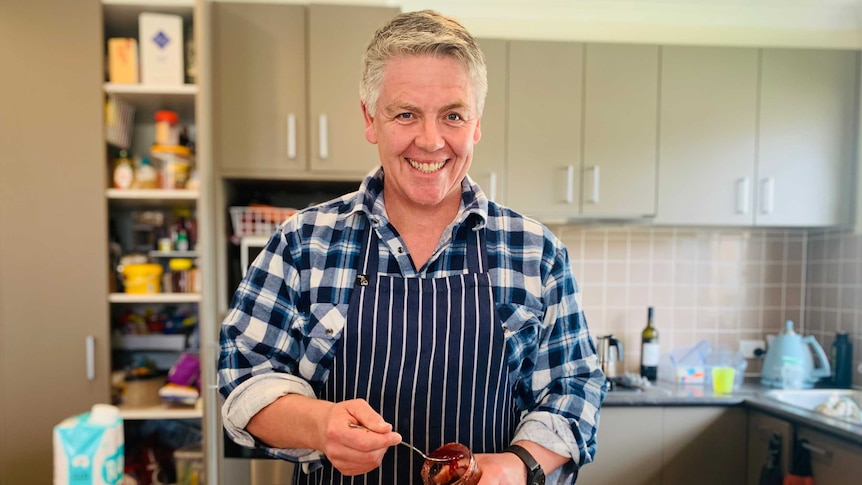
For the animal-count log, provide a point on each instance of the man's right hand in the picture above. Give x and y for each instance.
(295, 421)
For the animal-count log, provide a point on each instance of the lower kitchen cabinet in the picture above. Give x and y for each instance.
(669, 446)
(833, 460)
(703, 445)
(761, 428)
(629, 448)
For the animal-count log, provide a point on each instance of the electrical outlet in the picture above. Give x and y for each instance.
(748, 347)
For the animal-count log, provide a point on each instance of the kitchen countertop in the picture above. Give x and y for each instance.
(750, 394)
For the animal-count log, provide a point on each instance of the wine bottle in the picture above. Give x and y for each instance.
(649, 349)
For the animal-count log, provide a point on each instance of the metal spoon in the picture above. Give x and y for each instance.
(417, 450)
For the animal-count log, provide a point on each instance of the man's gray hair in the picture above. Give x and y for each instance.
(419, 33)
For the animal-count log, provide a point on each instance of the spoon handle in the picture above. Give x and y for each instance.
(417, 450)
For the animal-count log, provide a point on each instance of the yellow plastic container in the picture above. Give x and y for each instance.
(143, 278)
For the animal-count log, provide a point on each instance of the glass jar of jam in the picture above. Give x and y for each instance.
(460, 469)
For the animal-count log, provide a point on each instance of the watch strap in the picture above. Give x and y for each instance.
(535, 474)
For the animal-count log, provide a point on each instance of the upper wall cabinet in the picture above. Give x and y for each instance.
(489, 157)
(544, 128)
(707, 137)
(807, 135)
(761, 137)
(270, 62)
(582, 130)
(620, 123)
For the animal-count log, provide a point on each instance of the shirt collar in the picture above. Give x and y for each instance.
(369, 200)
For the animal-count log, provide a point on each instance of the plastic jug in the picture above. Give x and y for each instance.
(789, 363)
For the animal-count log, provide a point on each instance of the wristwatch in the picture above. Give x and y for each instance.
(535, 474)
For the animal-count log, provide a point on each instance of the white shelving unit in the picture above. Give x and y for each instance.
(121, 20)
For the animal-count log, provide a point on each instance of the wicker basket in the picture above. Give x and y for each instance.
(258, 220)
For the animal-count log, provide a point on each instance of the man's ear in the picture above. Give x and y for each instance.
(477, 135)
(370, 132)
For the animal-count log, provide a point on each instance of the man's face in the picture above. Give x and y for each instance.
(425, 127)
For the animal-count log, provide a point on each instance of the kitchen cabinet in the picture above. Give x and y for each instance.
(620, 127)
(707, 140)
(582, 130)
(704, 442)
(270, 62)
(833, 460)
(668, 446)
(52, 221)
(489, 157)
(761, 428)
(629, 448)
(544, 128)
(807, 136)
(756, 136)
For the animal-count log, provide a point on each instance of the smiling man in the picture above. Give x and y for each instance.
(414, 307)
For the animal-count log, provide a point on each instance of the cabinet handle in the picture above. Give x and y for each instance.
(570, 184)
(90, 343)
(594, 197)
(742, 194)
(324, 137)
(291, 136)
(815, 449)
(767, 195)
(492, 186)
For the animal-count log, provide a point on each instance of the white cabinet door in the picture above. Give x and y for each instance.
(544, 128)
(807, 131)
(629, 448)
(620, 127)
(707, 136)
(704, 445)
(337, 38)
(489, 157)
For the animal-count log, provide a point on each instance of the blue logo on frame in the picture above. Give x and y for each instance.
(161, 39)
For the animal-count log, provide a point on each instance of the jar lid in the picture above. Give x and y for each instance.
(169, 116)
(180, 150)
(180, 264)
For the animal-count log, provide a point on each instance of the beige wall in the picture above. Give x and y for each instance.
(718, 284)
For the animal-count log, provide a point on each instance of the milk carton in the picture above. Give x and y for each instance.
(88, 448)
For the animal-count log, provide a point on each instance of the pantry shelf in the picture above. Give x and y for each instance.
(161, 411)
(154, 298)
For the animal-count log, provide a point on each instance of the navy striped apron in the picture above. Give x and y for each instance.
(429, 356)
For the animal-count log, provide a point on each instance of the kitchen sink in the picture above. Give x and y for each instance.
(840, 403)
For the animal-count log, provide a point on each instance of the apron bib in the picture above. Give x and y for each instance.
(429, 356)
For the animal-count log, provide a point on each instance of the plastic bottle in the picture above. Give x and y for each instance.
(842, 361)
(124, 173)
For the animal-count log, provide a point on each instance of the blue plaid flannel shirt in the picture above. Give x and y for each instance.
(288, 312)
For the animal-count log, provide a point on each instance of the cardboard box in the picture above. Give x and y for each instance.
(123, 60)
(161, 39)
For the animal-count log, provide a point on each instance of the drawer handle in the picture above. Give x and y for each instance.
(767, 194)
(570, 184)
(492, 186)
(742, 194)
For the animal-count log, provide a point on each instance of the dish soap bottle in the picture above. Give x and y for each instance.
(649, 349)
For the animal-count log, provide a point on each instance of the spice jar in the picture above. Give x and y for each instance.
(174, 162)
(167, 130)
(461, 469)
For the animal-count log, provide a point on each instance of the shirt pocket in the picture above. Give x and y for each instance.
(326, 320)
(519, 319)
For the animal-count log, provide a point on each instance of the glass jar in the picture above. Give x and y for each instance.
(461, 469)
(174, 163)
